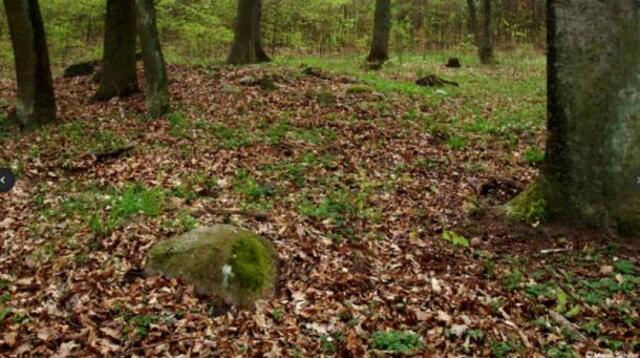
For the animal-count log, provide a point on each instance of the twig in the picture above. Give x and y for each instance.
(552, 251)
(150, 346)
(560, 320)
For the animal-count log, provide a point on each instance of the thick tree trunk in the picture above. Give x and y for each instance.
(485, 48)
(155, 72)
(118, 76)
(592, 167)
(36, 100)
(473, 21)
(381, 29)
(261, 55)
(247, 45)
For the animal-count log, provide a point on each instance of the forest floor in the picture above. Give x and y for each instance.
(382, 198)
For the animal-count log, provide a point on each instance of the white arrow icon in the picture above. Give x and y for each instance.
(2, 180)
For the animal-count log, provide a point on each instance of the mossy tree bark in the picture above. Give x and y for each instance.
(118, 76)
(36, 100)
(155, 71)
(247, 43)
(592, 166)
(381, 29)
(485, 45)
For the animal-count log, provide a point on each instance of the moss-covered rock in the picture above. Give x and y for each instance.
(223, 260)
(359, 89)
(322, 96)
(530, 205)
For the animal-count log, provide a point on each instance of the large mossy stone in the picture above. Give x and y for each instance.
(235, 264)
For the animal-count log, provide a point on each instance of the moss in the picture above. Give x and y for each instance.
(530, 205)
(235, 264)
(250, 263)
(359, 89)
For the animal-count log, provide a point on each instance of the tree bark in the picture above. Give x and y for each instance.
(261, 55)
(247, 44)
(155, 72)
(592, 167)
(118, 77)
(485, 48)
(473, 21)
(381, 29)
(35, 98)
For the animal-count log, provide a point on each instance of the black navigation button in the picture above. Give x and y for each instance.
(7, 180)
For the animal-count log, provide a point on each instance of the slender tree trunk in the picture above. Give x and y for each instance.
(473, 21)
(485, 49)
(118, 77)
(592, 166)
(381, 29)
(155, 72)
(261, 55)
(36, 100)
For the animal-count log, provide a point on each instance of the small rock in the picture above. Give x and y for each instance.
(232, 263)
(247, 81)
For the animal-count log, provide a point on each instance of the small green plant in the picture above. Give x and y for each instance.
(456, 143)
(533, 156)
(246, 185)
(229, 138)
(624, 267)
(513, 280)
(178, 124)
(396, 341)
(562, 351)
(455, 239)
(142, 323)
(504, 349)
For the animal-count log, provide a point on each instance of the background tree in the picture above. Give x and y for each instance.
(473, 21)
(247, 45)
(592, 167)
(118, 77)
(36, 100)
(381, 29)
(155, 72)
(485, 47)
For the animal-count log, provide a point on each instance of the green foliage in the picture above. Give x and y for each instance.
(504, 349)
(624, 267)
(455, 239)
(512, 280)
(533, 155)
(396, 341)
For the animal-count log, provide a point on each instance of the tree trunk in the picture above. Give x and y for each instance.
(118, 77)
(261, 55)
(381, 29)
(485, 49)
(473, 21)
(592, 167)
(155, 72)
(247, 45)
(36, 100)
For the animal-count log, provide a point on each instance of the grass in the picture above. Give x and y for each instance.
(396, 341)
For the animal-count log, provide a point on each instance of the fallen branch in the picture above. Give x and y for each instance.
(112, 153)
(570, 327)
